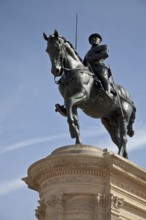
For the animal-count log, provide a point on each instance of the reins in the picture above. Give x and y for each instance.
(75, 70)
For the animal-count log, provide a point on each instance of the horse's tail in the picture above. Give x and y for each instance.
(130, 130)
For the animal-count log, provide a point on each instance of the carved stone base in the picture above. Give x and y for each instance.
(80, 182)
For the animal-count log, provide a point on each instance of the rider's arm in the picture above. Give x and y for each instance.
(101, 53)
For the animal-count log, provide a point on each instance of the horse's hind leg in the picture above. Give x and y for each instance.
(123, 136)
(112, 129)
(117, 134)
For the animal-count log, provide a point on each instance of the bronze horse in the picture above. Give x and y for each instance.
(79, 89)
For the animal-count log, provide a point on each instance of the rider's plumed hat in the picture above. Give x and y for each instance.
(94, 35)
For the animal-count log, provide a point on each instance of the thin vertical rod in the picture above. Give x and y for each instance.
(76, 36)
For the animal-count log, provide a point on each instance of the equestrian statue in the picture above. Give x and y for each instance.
(86, 84)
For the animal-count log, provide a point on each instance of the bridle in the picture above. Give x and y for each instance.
(62, 60)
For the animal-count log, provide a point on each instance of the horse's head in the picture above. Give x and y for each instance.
(54, 49)
(62, 54)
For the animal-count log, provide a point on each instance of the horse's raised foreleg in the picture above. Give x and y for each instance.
(72, 119)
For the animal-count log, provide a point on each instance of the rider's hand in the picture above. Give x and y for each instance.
(90, 59)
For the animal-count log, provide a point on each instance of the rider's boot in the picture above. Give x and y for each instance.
(108, 90)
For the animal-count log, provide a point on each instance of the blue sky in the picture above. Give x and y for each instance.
(30, 129)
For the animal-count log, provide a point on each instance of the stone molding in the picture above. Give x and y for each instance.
(109, 199)
(45, 176)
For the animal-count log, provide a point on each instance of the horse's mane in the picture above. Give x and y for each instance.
(66, 41)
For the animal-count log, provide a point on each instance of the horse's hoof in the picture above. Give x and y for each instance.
(61, 109)
(78, 143)
(120, 152)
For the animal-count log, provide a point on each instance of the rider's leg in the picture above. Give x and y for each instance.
(103, 76)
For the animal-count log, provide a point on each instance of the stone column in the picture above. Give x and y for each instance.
(81, 182)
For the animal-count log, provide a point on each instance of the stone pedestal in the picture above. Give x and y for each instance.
(80, 182)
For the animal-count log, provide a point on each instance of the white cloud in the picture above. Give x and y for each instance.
(29, 142)
(90, 132)
(138, 141)
(7, 187)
